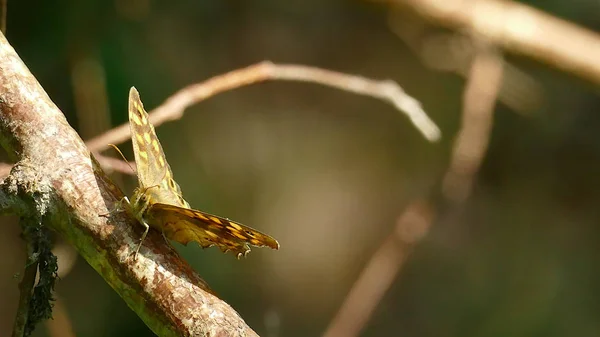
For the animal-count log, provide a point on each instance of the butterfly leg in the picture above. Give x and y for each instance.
(165, 237)
(124, 205)
(117, 207)
(146, 229)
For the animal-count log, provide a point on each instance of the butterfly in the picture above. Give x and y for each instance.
(157, 202)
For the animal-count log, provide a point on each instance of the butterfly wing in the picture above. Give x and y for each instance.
(154, 173)
(185, 225)
(162, 205)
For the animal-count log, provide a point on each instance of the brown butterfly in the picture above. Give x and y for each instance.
(157, 201)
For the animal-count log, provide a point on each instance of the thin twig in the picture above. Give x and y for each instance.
(174, 106)
(26, 291)
(380, 272)
(480, 96)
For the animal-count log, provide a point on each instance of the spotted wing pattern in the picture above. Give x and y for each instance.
(185, 225)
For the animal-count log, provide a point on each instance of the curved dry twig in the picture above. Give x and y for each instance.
(174, 106)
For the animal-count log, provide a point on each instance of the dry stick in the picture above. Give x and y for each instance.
(173, 107)
(485, 81)
(383, 267)
(519, 29)
(380, 272)
(25, 292)
(56, 178)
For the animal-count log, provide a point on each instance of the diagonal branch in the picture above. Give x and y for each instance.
(57, 178)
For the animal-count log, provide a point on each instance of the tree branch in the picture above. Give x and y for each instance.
(520, 29)
(64, 185)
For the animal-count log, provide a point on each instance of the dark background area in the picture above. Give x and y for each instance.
(327, 172)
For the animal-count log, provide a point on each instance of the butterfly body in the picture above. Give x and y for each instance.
(158, 201)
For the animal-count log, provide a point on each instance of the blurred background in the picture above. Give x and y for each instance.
(500, 217)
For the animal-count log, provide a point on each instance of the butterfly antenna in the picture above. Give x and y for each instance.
(122, 156)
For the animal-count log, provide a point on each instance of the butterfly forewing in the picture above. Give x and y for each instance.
(158, 201)
(155, 177)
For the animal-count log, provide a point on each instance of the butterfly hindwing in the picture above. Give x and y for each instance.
(185, 225)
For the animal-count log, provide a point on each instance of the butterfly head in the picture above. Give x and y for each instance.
(141, 200)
